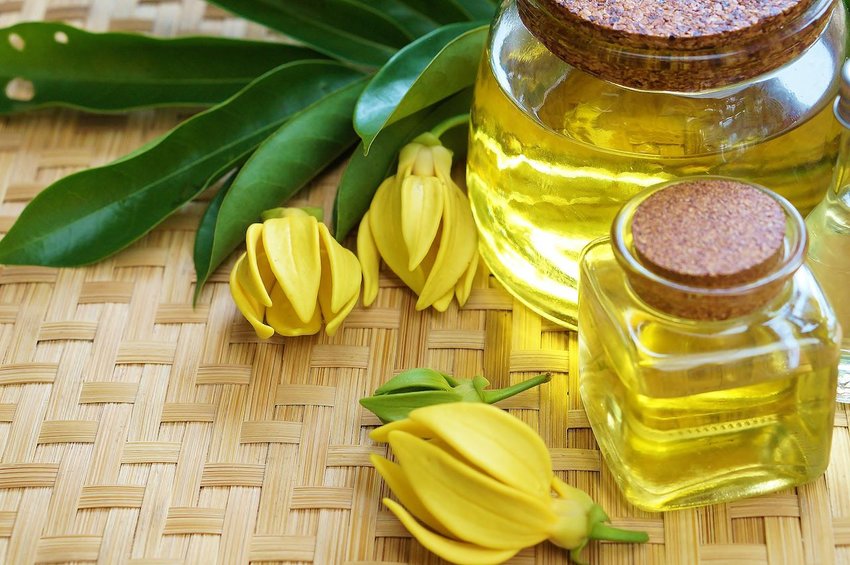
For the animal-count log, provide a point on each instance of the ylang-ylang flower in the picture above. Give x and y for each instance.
(294, 276)
(421, 225)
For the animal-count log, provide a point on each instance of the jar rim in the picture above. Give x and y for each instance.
(640, 275)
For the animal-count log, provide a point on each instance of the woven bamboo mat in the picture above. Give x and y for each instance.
(136, 429)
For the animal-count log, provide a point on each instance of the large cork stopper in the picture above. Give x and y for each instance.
(708, 234)
(683, 45)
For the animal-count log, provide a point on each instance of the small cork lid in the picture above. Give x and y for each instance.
(708, 235)
(683, 45)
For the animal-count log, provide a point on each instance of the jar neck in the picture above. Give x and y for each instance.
(707, 303)
(686, 64)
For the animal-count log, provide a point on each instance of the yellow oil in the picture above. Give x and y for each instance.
(690, 414)
(544, 182)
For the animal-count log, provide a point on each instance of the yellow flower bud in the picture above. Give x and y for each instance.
(421, 225)
(475, 486)
(294, 275)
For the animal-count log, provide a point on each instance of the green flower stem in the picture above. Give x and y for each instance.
(602, 531)
(491, 396)
(453, 122)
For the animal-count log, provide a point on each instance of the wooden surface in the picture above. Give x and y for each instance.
(135, 429)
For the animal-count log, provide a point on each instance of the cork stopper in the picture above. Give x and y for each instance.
(681, 45)
(707, 236)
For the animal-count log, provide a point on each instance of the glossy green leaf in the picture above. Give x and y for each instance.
(105, 72)
(442, 11)
(347, 30)
(478, 9)
(414, 380)
(89, 215)
(365, 173)
(415, 23)
(206, 230)
(431, 68)
(284, 163)
(393, 407)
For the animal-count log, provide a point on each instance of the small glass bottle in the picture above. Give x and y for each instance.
(581, 104)
(829, 237)
(707, 350)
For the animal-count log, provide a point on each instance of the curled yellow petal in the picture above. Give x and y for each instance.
(256, 275)
(493, 440)
(385, 225)
(421, 213)
(442, 304)
(285, 321)
(247, 304)
(394, 477)
(464, 285)
(341, 276)
(407, 425)
(442, 163)
(449, 549)
(292, 246)
(458, 243)
(333, 323)
(370, 261)
(473, 506)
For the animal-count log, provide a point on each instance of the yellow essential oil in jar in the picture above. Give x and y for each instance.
(707, 351)
(556, 148)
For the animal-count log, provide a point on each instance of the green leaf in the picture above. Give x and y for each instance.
(431, 68)
(108, 72)
(365, 173)
(413, 380)
(442, 11)
(478, 9)
(206, 229)
(412, 21)
(284, 163)
(87, 216)
(344, 29)
(393, 407)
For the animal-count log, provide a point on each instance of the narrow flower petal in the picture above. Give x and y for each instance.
(407, 425)
(394, 477)
(341, 276)
(385, 224)
(283, 318)
(370, 261)
(464, 285)
(256, 275)
(458, 244)
(247, 304)
(472, 505)
(407, 158)
(442, 304)
(449, 549)
(421, 213)
(333, 323)
(292, 246)
(495, 441)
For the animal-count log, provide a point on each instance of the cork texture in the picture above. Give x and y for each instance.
(135, 429)
(709, 233)
(678, 45)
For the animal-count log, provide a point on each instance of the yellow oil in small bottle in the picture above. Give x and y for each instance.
(681, 425)
(544, 182)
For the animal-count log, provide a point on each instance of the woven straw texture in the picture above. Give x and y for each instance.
(136, 429)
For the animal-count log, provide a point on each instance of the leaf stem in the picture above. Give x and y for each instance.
(450, 123)
(491, 396)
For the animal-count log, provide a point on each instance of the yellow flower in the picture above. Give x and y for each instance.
(421, 225)
(475, 486)
(293, 276)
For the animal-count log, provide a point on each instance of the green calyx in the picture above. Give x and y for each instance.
(282, 212)
(599, 529)
(420, 387)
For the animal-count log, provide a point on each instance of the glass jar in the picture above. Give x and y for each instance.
(706, 388)
(829, 237)
(560, 141)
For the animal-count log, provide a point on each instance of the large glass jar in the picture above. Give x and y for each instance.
(708, 353)
(560, 141)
